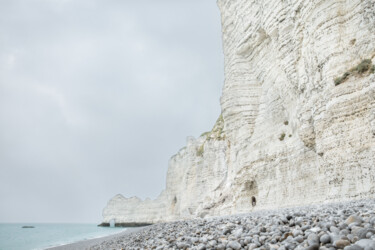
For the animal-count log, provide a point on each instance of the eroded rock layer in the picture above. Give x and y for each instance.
(289, 133)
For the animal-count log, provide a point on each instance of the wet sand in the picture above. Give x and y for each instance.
(86, 244)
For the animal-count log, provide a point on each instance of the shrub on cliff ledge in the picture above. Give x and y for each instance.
(282, 136)
(217, 132)
(365, 66)
(200, 150)
(341, 79)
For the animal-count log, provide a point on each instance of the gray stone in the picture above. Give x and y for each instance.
(220, 247)
(299, 239)
(227, 230)
(366, 243)
(273, 247)
(372, 220)
(344, 232)
(238, 232)
(203, 240)
(201, 247)
(353, 219)
(252, 246)
(323, 248)
(234, 245)
(355, 239)
(350, 237)
(296, 232)
(247, 240)
(343, 226)
(290, 245)
(362, 233)
(306, 227)
(325, 238)
(212, 243)
(315, 229)
(354, 224)
(313, 247)
(334, 237)
(334, 230)
(194, 239)
(353, 247)
(262, 239)
(182, 245)
(341, 243)
(312, 239)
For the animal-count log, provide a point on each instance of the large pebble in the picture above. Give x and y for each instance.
(341, 243)
(312, 239)
(353, 247)
(234, 245)
(334, 230)
(201, 247)
(353, 219)
(221, 247)
(366, 243)
(313, 247)
(325, 238)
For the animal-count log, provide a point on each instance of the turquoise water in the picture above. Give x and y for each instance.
(14, 237)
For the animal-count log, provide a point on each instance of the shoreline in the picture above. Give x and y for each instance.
(86, 244)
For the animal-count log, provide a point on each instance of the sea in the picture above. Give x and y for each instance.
(45, 235)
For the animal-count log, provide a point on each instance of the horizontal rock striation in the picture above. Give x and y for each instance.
(288, 134)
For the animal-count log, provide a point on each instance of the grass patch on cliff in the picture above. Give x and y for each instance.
(282, 137)
(200, 150)
(206, 133)
(341, 79)
(365, 66)
(217, 132)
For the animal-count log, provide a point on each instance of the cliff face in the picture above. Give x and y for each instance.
(287, 134)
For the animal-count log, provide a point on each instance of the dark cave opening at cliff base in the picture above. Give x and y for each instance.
(253, 201)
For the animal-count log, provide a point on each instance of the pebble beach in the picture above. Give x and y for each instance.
(345, 225)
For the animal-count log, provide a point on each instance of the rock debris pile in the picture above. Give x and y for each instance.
(348, 226)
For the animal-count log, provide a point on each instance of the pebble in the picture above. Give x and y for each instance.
(341, 243)
(353, 247)
(325, 238)
(353, 219)
(366, 243)
(313, 247)
(234, 245)
(312, 239)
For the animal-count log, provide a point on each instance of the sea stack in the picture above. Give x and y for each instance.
(298, 116)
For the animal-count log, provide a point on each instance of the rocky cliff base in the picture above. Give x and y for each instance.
(348, 226)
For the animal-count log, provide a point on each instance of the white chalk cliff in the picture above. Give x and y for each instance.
(287, 134)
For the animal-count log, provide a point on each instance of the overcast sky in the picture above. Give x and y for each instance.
(96, 96)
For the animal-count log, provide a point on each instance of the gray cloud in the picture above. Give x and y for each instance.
(96, 96)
